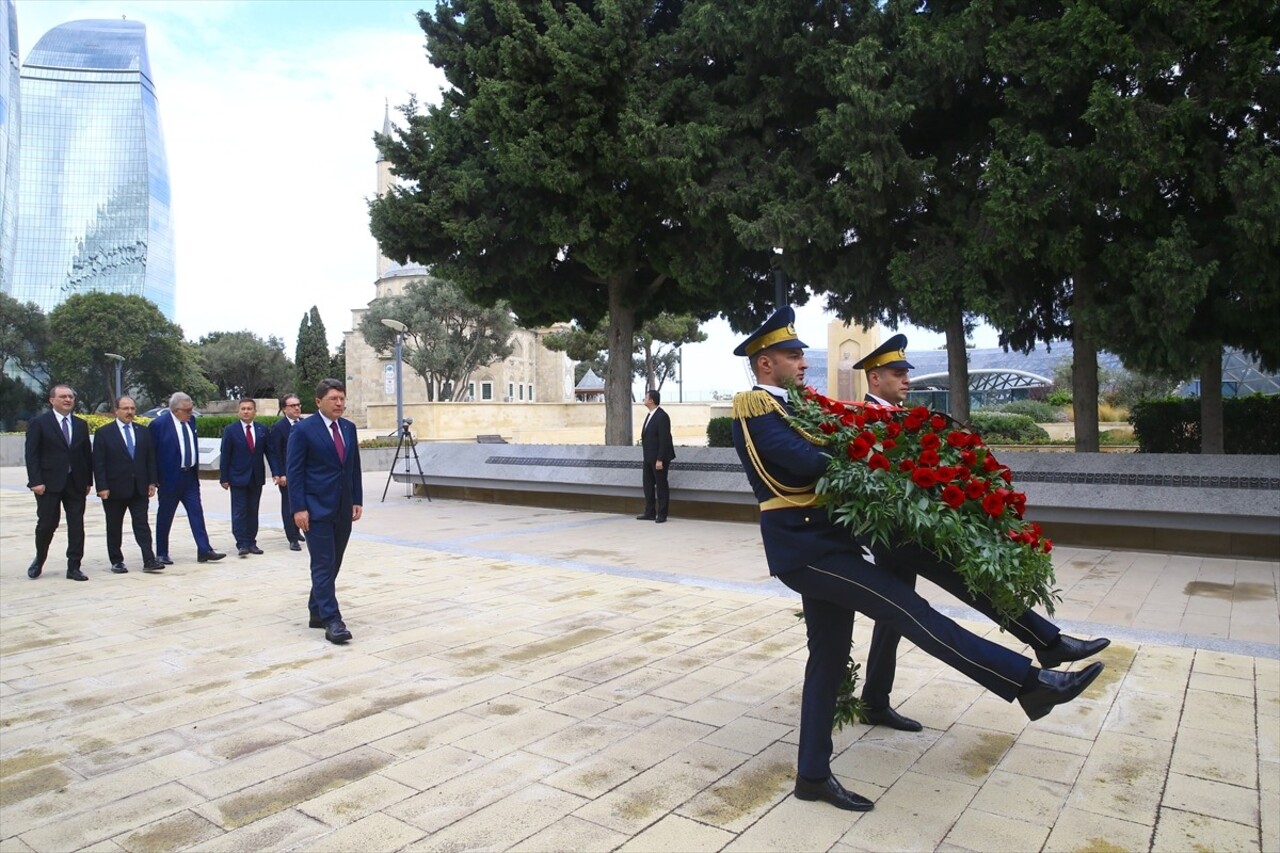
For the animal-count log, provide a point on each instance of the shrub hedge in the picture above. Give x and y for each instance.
(1038, 410)
(211, 426)
(720, 432)
(1249, 425)
(1007, 428)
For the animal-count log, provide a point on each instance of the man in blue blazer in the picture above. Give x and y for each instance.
(326, 495)
(819, 559)
(241, 469)
(124, 467)
(277, 459)
(178, 463)
(59, 474)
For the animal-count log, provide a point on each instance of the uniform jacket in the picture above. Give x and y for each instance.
(169, 450)
(238, 465)
(794, 536)
(114, 470)
(655, 438)
(278, 447)
(318, 482)
(51, 462)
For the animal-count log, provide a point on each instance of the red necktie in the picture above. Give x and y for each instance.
(337, 442)
(248, 435)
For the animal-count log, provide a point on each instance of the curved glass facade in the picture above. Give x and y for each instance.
(10, 133)
(94, 207)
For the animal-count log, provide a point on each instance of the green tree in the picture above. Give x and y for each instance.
(157, 361)
(449, 336)
(311, 357)
(654, 353)
(24, 334)
(338, 364)
(555, 173)
(241, 364)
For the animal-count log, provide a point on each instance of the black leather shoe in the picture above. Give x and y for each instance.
(118, 569)
(254, 549)
(301, 538)
(646, 517)
(891, 718)
(75, 575)
(314, 622)
(662, 519)
(164, 560)
(1054, 688)
(831, 791)
(243, 552)
(336, 632)
(1069, 649)
(209, 557)
(34, 570)
(153, 566)
(294, 546)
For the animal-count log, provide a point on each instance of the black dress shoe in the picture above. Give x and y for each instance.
(118, 569)
(209, 557)
(243, 552)
(891, 718)
(831, 791)
(336, 632)
(163, 559)
(1068, 649)
(662, 519)
(294, 546)
(153, 566)
(75, 575)
(314, 622)
(300, 538)
(1054, 688)
(254, 549)
(34, 570)
(645, 517)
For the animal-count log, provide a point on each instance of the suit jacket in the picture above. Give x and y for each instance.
(278, 447)
(655, 438)
(115, 471)
(169, 450)
(318, 482)
(240, 466)
(51, 462)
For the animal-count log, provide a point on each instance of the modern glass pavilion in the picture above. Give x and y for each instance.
(93, 200)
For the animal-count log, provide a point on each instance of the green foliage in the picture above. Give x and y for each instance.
(311, 358)
(652, 361)
(1007, 428)
(449, 336)
(96, 422)
(157, 360)
(1250, 425)
(241, 364)
(212, 426)
(1039, 411)
(1059, 397)
(24, 333)
(720, 432)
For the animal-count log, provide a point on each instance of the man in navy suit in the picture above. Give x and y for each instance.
(277, 458)
(817, 558)
(326, 495)
(242, 470)
(59, 474)
(124, 467)
(888, 381)
(173, 434)
(658, 452)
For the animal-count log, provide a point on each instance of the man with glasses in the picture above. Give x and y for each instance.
(277, 455)
(178, 463)
(60, 475)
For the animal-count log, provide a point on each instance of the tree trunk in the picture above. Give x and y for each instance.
(1211, 429)
(957, 368)
(617, 379)
(1084, 391)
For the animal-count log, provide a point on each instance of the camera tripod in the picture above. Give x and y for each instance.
(408, 447)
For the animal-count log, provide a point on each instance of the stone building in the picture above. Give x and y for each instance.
(531, 374)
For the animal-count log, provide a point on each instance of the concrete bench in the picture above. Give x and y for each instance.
(490, 439)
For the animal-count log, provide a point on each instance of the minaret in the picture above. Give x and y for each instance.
(384, 183)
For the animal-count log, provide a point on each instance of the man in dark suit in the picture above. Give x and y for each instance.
(173, 434)
(817, 558)
(888, 381)
(124, 467)
(655, 439)
(277, 458)
(326, 494)
(59, 474)
(242, 470)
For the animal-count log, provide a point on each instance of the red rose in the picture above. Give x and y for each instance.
(879, 462)
(992, 505)
(1006, 475)
(926, 478)
(930, 441)
(990, 464)
(946, 474)
(836, 407)
(858, 450)
(956, 438)
(952, 496)
(906, 465)
(1047, 545)
(975, 489)
(868, 436)
(892, 429)
(860, 420)
(848, 419)
(888, 444)
(962, 472)
(938, 422)
(928, 458)
(969, 458)
(828, 427)
(920, 412)
(912, 423)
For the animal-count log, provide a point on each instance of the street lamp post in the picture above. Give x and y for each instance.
(399, 328)
(119, 360)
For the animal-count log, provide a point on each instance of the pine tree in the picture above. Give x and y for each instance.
(311, 357)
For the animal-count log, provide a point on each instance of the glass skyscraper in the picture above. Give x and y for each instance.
(10, 129)
(93, 199)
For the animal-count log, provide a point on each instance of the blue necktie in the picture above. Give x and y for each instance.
(187, 461)
(128, 439)
(66, 429)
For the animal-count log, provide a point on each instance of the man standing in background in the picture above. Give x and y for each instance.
(59, 474)
(655, 439)
(241, 469)
(124, 467)
(277, 458)
(178, 464)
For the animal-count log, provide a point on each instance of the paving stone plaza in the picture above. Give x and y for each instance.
(543, 680)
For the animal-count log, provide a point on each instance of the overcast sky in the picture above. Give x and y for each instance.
(268, 109)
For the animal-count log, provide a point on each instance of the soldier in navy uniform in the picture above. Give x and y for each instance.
(808, 552)
(888, 380)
